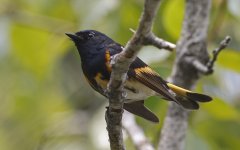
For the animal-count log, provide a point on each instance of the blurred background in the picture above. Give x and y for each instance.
(46, 103)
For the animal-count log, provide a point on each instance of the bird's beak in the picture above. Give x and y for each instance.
(73, 36)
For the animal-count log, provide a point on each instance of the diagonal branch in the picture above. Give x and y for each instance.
(120, 64)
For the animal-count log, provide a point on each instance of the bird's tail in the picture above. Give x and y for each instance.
(188, 99)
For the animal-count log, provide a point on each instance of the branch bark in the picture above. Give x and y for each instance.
(120, 64)
(192, 44)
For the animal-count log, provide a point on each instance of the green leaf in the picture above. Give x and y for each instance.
(36, 50)
(221, 110)
(220, 135)
(173, 17)
(229, 59)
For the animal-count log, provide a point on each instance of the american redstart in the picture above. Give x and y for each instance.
(96, 50)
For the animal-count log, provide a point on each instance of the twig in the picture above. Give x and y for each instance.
(132, 30)
(135, 132)
(159, 43)
(208, 68)
(216, 51)
(120, 64)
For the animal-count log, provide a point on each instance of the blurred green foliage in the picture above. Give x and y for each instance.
(46, 104)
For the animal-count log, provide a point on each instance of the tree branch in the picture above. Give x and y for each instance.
(135, 132)
(216, 52)
(120, 64)
(207, 69)
(191, 45)
(159, 43)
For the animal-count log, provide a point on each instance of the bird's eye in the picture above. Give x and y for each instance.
(91, 35)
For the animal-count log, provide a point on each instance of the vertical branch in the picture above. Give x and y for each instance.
(191, 46)
(120, 64)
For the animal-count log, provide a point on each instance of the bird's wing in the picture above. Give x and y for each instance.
(141, 72)
(144, 74)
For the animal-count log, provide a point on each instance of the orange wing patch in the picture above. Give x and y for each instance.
(145, 69)
(107, 60)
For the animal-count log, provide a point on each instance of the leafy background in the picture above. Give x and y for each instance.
(46, 104)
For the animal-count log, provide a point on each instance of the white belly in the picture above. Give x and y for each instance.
(137, 91)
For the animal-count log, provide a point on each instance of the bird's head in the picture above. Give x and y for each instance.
(89, 42)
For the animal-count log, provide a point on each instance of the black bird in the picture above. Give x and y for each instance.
(96, 50)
